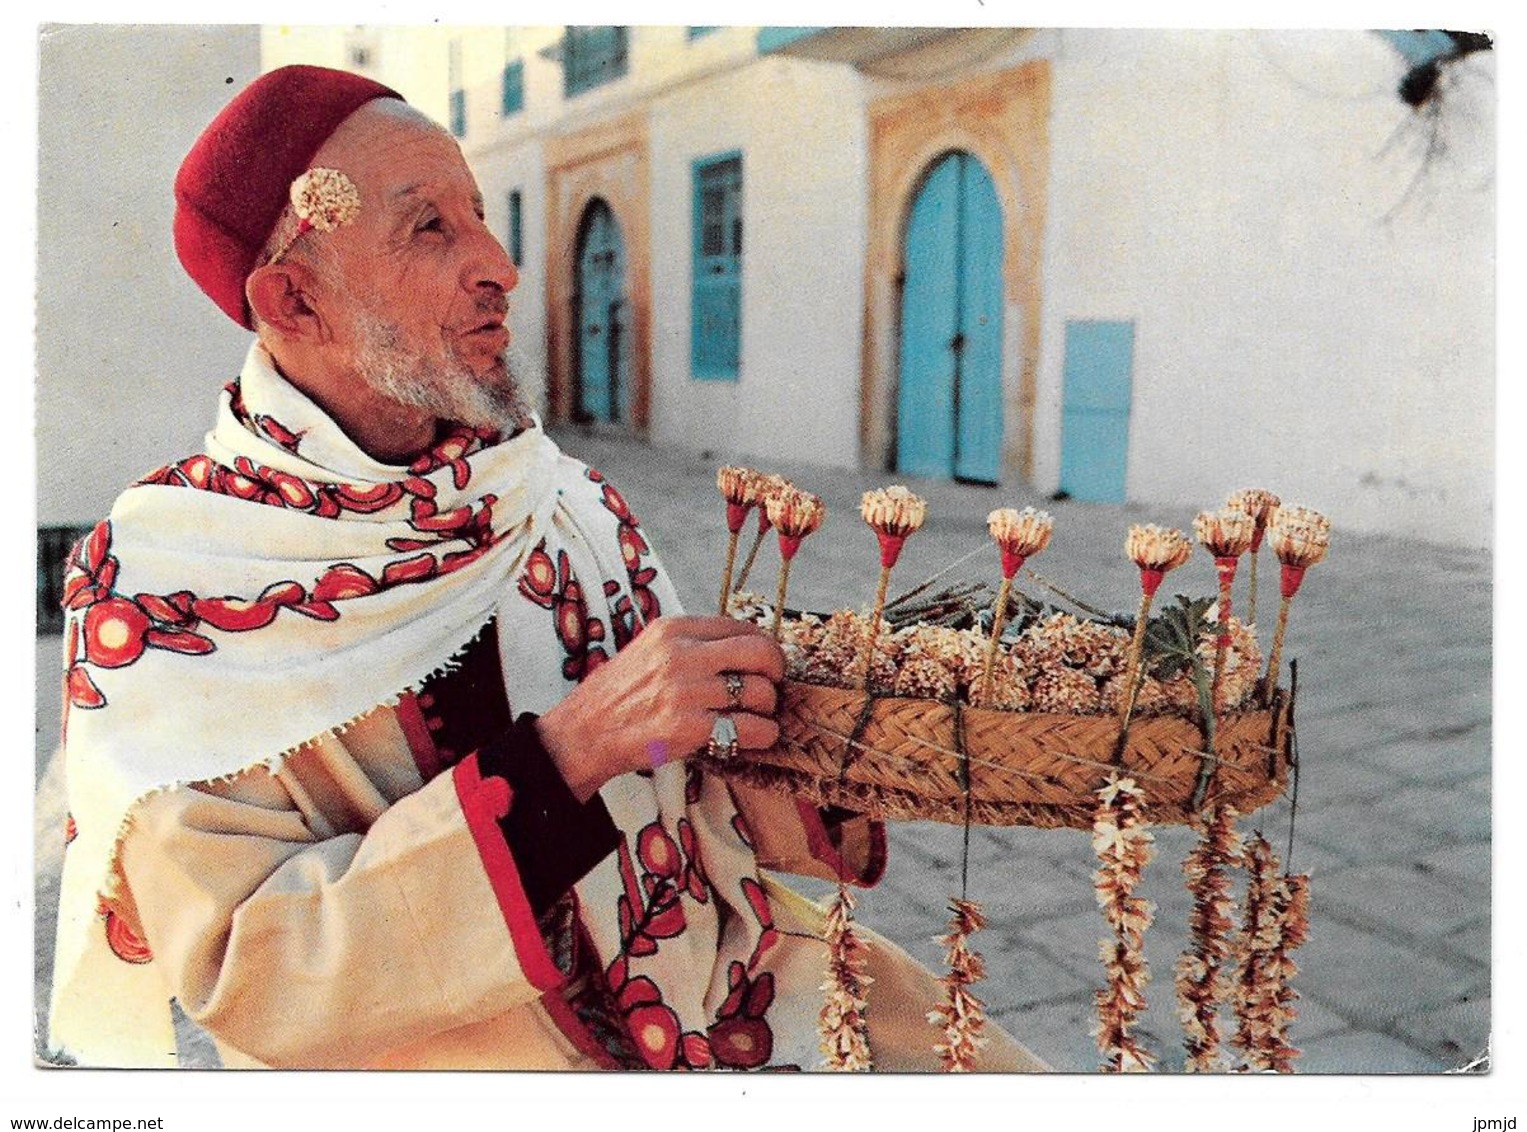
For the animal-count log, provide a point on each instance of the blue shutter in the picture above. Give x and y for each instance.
(458, 91)
(514, 87)
(592, 56)
(716, 329)
(516, 228)
(459, 113)
(774, 38)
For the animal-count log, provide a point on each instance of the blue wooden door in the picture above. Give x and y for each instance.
(949, 405)
(1095, 409)
(600, 309)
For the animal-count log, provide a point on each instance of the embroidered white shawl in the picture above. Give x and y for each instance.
(241, 602)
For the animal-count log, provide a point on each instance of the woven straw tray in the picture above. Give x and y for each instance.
(901, 759)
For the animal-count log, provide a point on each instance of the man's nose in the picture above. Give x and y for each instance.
(489, 264)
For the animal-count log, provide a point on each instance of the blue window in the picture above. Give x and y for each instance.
(516, 228)
(775, 38)
(716, 323)
(514, 87)
(592, 56)
(458, 112)
(458, 91)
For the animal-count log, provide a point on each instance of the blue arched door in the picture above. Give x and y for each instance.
(600, 310)
(949, 404)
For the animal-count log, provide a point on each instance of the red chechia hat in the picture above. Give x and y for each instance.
(234, 183)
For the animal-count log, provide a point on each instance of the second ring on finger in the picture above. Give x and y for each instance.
(741, 693)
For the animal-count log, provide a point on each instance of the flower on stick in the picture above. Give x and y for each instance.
(1259, 504)
(762, 486)
(794, 514)
(736, 487)
(893, 513)
(1226, 534)
(1019, 535)
(1155, 550)
(1300, 538)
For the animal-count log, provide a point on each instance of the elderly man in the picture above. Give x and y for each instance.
(377, 710)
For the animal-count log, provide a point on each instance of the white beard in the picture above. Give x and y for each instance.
(451, 392)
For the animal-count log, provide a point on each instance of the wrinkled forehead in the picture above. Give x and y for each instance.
(392, 152)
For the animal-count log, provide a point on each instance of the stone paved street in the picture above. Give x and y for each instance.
(1393, 819)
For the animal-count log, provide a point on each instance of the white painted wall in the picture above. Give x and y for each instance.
(800, 128)
(1300, 325)
(130, 354)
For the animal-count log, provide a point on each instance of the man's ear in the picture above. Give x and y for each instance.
(281, 296)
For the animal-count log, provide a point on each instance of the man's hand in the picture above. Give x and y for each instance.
(659, 697)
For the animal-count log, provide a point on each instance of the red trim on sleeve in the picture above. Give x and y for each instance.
(819, 842)
(420, 743)
(484, 801)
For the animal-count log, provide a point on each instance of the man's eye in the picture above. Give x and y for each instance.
(430, 224)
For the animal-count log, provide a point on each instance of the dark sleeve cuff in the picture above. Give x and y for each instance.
(554, 838)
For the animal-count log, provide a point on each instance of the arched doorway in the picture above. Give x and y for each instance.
(949, 400)
(601, 317)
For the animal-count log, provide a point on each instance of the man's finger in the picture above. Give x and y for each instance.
(754, 653)
(702, 628)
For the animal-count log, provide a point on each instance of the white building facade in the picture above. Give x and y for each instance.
(1151, 266)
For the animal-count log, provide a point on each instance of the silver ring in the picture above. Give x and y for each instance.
(723, 738)
(733, 690)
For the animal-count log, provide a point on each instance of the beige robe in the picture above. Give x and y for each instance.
(338, 913)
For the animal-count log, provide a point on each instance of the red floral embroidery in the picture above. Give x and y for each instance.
(658, 853)
(648, 908)
(692, 879)
(740, 828)
(125, 943)
(344, 581)
(113, 631)
(741, 1038)
(278, 432)
(754, 894)
(694, 1051)
(551, 585)
(81, 689)
(622, 616)
(652, 1023)
(261, 484)
(633, 545)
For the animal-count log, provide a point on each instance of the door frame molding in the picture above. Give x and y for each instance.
(1002, 119)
